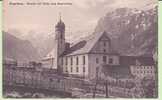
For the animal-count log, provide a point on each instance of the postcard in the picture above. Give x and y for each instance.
(80, 49)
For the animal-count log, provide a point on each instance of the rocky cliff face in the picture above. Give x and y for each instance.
(133, 31)
(17, 49)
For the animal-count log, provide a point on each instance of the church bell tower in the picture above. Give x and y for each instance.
(59, 42)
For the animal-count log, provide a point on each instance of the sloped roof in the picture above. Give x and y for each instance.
(132, 60)
(85, 45)
(60, 24)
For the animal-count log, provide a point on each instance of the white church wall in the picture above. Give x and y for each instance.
(68, 67)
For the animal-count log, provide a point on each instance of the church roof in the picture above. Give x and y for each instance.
(85, 45)
(60, 24)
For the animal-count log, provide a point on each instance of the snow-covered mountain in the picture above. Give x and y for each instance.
(133, 31)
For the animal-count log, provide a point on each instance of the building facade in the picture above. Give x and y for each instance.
(84, 57)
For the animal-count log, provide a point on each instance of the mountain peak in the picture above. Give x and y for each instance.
(131, 29)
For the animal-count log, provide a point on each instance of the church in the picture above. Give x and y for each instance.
(81, 58)
(85, 57)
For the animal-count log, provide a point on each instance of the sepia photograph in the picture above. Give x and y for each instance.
(80, 49)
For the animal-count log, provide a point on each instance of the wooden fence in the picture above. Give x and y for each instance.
(30, 77)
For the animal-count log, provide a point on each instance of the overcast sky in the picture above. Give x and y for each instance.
(81, 15)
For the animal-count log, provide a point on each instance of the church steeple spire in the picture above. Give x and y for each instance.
(60, 24)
